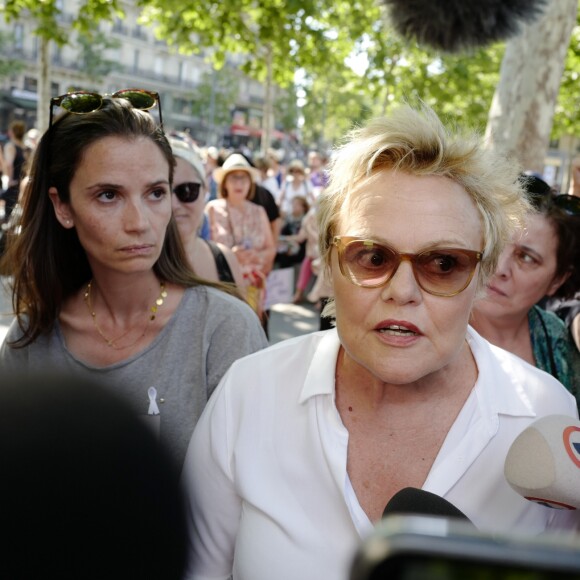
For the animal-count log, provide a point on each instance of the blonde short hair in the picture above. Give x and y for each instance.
(415, 142)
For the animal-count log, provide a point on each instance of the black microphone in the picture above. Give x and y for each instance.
(456, 25)
(413, 501)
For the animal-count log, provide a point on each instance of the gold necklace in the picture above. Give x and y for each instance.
(112, 342)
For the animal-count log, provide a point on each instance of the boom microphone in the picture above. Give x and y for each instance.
(543, 463)
(456, 25)
(413, 501)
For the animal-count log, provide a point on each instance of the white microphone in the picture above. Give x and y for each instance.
(543, 463)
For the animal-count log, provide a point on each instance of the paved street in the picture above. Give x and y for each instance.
(286, 320)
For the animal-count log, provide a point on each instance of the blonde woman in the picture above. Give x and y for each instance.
(304, 443)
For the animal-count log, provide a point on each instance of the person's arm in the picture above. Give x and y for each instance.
(267, 253)
(209, 212)
(13, 359)
(8, 167)
(276, 226)
(282, 196)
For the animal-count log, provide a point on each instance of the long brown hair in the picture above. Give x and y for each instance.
(47, 261)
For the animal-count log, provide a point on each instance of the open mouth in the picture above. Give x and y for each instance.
(396, 330)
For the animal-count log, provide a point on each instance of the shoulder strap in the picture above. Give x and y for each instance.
(223, 268)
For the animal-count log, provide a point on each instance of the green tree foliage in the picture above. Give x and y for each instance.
(51, 27)
(47, 15)
(458, 87)
(300, 33)
(567, 112)
(286, 111)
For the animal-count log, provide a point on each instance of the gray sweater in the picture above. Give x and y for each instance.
(207, 332)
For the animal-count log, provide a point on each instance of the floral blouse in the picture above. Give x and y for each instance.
(244, 227)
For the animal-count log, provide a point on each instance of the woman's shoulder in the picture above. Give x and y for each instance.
(216, 304)
(290, 360)
(545, 326)
(553, 323)
(255, 209)
(13, 356)
(515, 383)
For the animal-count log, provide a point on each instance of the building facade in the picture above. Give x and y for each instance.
(131, 56)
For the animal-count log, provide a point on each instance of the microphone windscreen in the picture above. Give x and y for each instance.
(413, 501)
(543, 462)
(456, 25)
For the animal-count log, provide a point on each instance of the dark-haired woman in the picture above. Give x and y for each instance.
(541, 262)
(102, 286)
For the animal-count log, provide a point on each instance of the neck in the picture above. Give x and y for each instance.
(455, 380)
(123, 296)
(501, 331)
(235, 202)
(128, 331)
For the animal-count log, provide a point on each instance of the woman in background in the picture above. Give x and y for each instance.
(540, 262)
(242, 225)
(296, 184)
(210, 260)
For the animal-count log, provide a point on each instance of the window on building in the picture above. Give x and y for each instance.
(158, 65)
(18, 37)
(57, 54)
(30, 84)
(136, 60)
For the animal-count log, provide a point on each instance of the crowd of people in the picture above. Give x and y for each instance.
(140, 262)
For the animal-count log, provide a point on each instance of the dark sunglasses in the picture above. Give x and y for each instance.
(438, 271)
(187, 192)
(569, 204)
(83, 102)
(542, 196)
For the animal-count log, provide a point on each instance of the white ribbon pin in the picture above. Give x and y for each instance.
(153, 408)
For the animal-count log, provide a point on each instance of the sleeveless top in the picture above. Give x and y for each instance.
(223, 268)
(17, 164)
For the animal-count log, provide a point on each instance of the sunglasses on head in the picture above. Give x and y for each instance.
(569, 204)
(541, 195)
(83, 102)
(187, 192)
(438, 271)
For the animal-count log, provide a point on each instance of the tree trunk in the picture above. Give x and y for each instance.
(268, 105)
(42, 108)
(522, 110)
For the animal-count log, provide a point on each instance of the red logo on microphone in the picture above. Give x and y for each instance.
(571, 438)
(557, 505)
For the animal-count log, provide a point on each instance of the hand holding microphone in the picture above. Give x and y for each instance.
(543, 463)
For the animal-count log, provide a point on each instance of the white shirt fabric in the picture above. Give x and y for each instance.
(268, 491)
